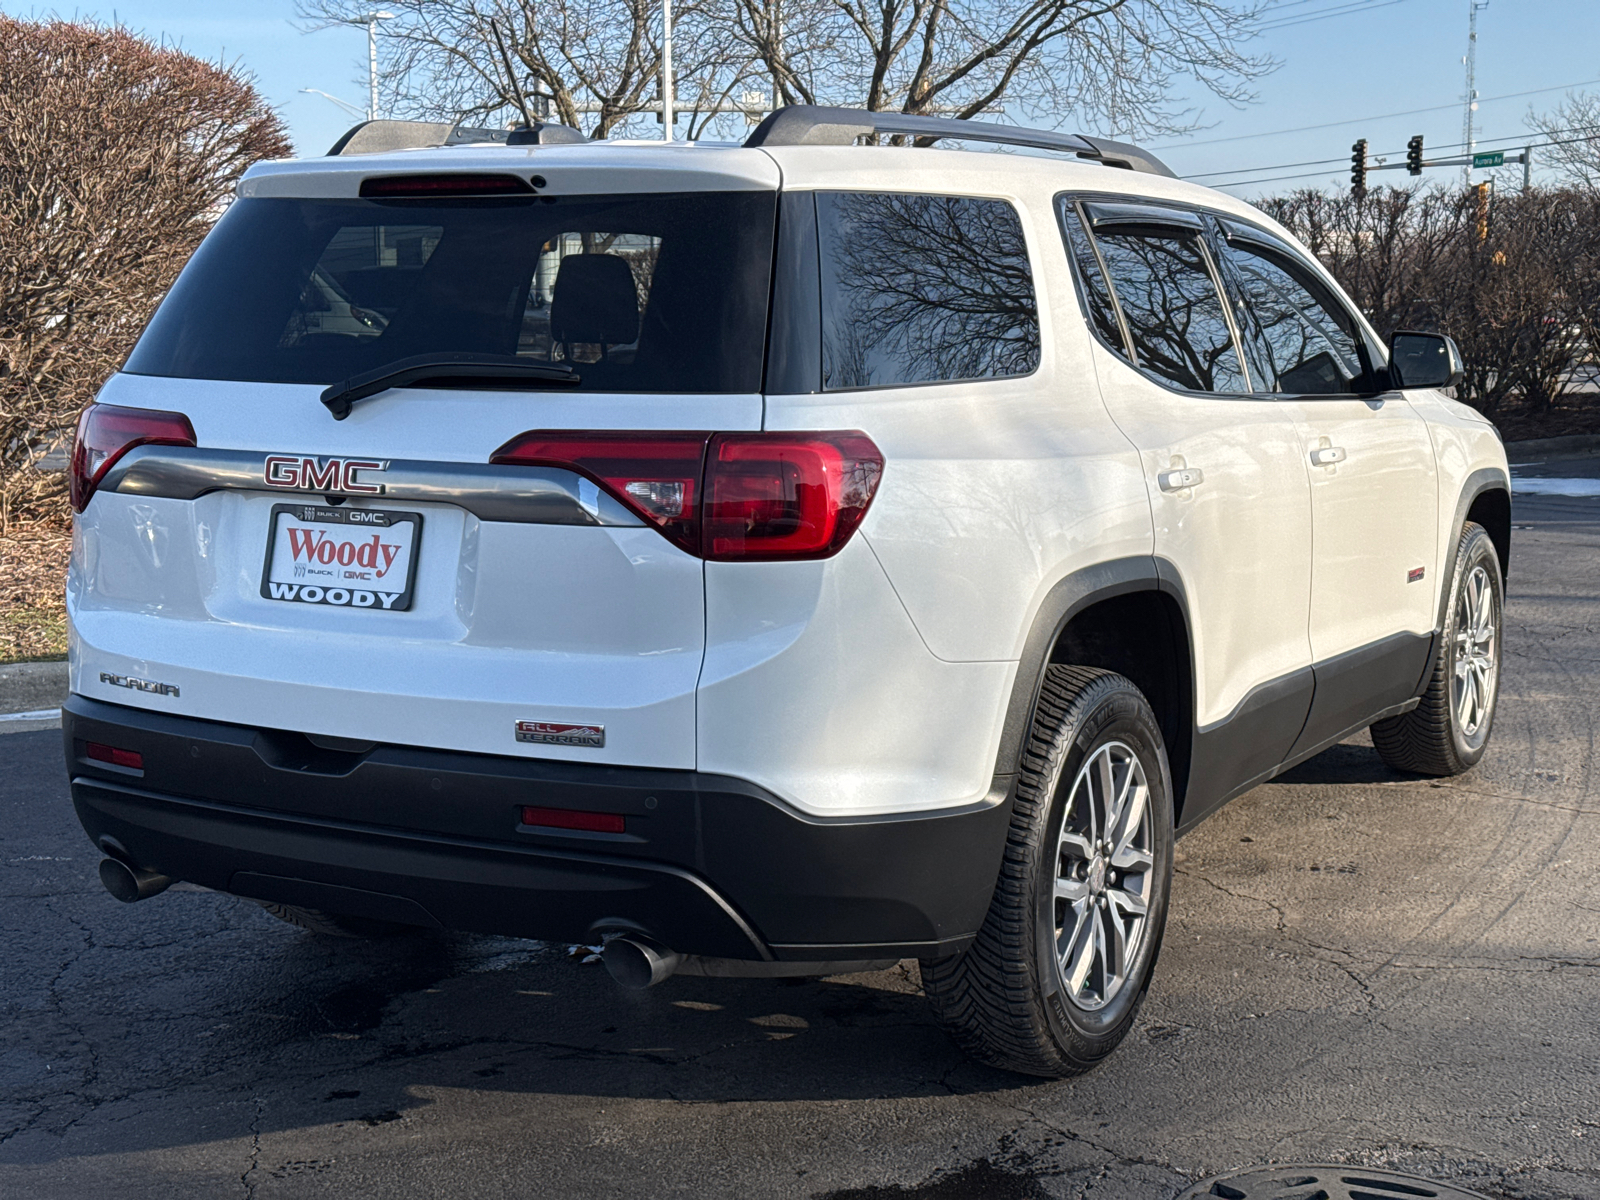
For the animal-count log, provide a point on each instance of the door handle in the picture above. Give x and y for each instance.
(1326, 456)
(1176, 481)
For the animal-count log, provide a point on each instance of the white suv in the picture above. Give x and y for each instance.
(765, 560)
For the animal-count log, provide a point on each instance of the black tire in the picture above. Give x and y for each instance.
(1007, 1001)
(327, 924)
(1438, 737)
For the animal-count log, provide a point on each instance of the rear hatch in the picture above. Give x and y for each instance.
(376, 578)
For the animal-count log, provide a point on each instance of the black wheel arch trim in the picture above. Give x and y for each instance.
(1481, 482)
(1071, 595)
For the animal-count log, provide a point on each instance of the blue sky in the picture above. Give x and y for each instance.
(1391, 56)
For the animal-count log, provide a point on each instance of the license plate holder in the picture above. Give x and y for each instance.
(383, 547)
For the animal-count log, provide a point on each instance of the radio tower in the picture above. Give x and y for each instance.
(1471, 107)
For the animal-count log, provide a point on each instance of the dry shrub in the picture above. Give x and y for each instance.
(1522, 297)
(33, 566)
(116, 155)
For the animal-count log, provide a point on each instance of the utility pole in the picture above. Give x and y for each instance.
(370, 20)
(1473, 8)
(668, 118)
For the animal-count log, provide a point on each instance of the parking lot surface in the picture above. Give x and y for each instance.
(1359, 967)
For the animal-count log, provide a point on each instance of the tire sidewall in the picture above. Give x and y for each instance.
(1477, 549)
(1115, 713)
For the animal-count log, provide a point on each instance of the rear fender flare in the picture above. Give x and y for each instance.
(1071, 595)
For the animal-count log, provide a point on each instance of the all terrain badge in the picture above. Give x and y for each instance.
(549, 734)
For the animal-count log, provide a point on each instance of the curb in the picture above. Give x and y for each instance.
(1575, 446)
(28, 687)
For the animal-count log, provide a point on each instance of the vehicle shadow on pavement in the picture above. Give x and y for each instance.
(1351, 761)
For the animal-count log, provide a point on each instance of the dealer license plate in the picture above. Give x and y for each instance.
(351, 557)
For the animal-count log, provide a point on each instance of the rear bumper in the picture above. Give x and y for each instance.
(707, 864)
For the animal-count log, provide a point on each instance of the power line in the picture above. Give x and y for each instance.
(1344, 10)
(1513, 143)
(1271, 179)
(1288, 4)
(1315, 162)
(1379, 117)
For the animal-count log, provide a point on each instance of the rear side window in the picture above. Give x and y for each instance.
(1298, 343)
(923, 289)
(1175, 317)
(639, 293)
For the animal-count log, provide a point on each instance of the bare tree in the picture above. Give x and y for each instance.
(1573, 128)
(590, 64)
(115, 157)
(1522, 297)
(1115, 63)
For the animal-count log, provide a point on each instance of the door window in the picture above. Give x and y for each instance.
(920, 289)
(1175, 317)
(1299, 340)
(1092, 289)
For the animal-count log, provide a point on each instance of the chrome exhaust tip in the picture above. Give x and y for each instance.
(638, 964)
(129, 884)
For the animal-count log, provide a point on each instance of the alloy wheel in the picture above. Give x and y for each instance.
(1475, 653)
(1104, 876)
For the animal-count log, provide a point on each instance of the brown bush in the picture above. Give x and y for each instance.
(116, 155)
(1522, 297)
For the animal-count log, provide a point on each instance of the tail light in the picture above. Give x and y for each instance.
(106, 433)
(655, 474)
(725, 496)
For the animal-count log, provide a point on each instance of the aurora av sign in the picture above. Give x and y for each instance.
(1493, 158)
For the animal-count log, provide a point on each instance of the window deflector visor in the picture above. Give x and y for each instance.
(1121, 217)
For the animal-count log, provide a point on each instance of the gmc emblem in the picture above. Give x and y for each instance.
(305, 474)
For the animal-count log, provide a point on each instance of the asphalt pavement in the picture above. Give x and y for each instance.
(1359, 967)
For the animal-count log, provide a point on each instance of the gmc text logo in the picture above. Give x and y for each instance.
(303, 474)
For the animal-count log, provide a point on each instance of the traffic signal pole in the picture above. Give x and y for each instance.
(1415, 163)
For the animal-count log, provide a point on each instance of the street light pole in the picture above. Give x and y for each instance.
(666, 70)
(370, 20)
(372, 68)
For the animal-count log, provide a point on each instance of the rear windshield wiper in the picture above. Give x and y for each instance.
(449, 371)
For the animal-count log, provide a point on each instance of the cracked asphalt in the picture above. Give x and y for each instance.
(1360, 967)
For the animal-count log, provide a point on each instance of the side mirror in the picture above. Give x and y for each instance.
(1424, 360)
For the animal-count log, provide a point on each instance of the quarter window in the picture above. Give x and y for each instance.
(1175, 317)
(920, 289)
(1096, 296)
(1298, 342)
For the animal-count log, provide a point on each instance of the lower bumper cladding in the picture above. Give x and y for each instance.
(706, 865)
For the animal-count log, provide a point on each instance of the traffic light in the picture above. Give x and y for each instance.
(1414, 155)
(1358, 169)
(1480, 196)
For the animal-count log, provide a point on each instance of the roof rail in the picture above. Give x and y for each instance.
(815, 125)
(378, 137)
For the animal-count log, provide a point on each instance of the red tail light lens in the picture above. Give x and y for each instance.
(106, 433)
(655, 474)
(725, 496)
(778, 496)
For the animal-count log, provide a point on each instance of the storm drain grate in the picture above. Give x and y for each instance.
(1304, 1181)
